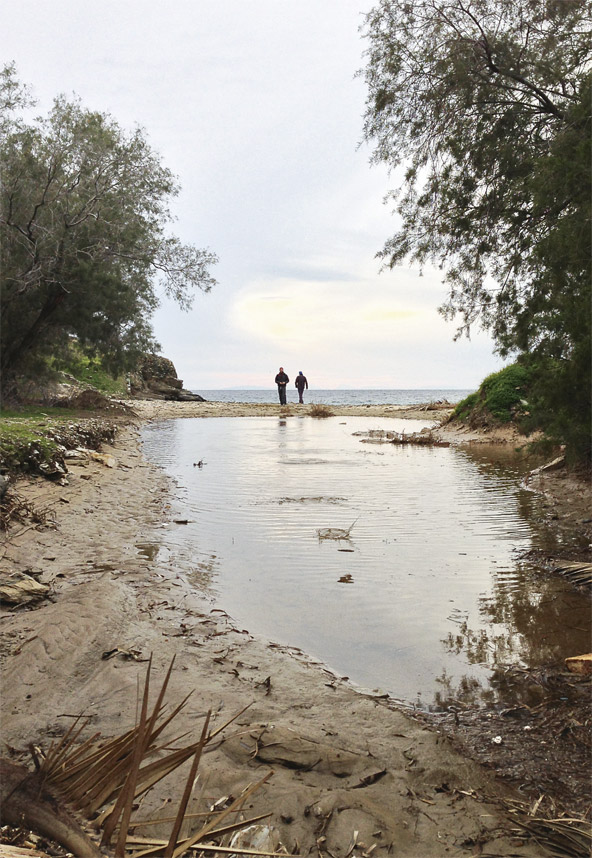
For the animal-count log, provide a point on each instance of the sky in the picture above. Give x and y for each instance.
(257, 109)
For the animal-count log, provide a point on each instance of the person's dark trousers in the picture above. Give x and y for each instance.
(282, 393)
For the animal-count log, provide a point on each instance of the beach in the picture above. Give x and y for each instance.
(349, 766)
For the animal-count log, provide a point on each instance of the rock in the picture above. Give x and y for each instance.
(53, 470)
(18, 588)
(262, 838)
(156, 378)
(80, 454)
(187, 396)
(581, 664)
(4, 481)
(103, 458)
(88, 398)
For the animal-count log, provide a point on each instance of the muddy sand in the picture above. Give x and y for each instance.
(352, 773)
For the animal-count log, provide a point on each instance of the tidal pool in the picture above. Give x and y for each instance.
(426, 600)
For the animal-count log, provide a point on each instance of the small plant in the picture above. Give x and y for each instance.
(318, 410)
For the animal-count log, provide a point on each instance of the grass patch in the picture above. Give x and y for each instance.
(33, 440)
(30, 413)
(466, 406)
(25, 446)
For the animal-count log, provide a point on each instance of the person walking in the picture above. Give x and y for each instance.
(301, 383)
(281, 380)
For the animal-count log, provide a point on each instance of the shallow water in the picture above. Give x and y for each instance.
(424, 600)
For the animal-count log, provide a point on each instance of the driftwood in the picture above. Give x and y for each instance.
(22, 852)
(425, 439)
(421, 439)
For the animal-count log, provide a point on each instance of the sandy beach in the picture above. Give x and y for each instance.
(349, 767)
(160, 409)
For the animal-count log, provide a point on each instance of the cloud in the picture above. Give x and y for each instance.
(312, 315)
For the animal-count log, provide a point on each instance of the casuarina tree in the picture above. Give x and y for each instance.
(84, 246)
(482, 108)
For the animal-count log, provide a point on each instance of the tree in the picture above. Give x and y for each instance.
(84, 211)
(486, 105)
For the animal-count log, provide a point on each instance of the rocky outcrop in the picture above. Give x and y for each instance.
(156, 378)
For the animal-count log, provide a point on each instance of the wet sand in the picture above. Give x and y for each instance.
(107, 594)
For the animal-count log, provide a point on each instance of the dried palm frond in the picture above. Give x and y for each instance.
(87, 775)
(563, 837)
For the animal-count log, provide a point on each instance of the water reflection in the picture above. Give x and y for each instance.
(148, 550)
(435, 600)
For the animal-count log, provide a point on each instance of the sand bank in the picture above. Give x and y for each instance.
(159, 409)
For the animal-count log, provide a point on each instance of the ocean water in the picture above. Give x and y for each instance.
(339, 397)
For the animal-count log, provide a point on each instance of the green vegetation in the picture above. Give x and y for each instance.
(33, 440)
(487, 107)
(31, 413)
(502, 397)
(84, 215)
(24, 441)
(522, 392)
(90, 371)
(465, 407)
(560, 404)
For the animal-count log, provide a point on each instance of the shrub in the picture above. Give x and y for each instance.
(89, 371)
(318, 410)
(504, 390)
(502, 397)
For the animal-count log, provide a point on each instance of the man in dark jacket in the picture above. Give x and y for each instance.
(281, 380)
(301, 383)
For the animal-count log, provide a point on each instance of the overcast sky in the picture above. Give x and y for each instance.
(253, 104)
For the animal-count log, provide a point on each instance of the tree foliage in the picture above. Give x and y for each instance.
(485, 104)
(84, 212)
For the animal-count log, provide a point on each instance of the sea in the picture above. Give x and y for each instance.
(370, 396)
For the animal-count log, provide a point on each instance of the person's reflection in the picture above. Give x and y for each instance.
(282, 443)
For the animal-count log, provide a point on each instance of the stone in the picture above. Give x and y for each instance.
(156, 378)
(18, 588)
(581, 664)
